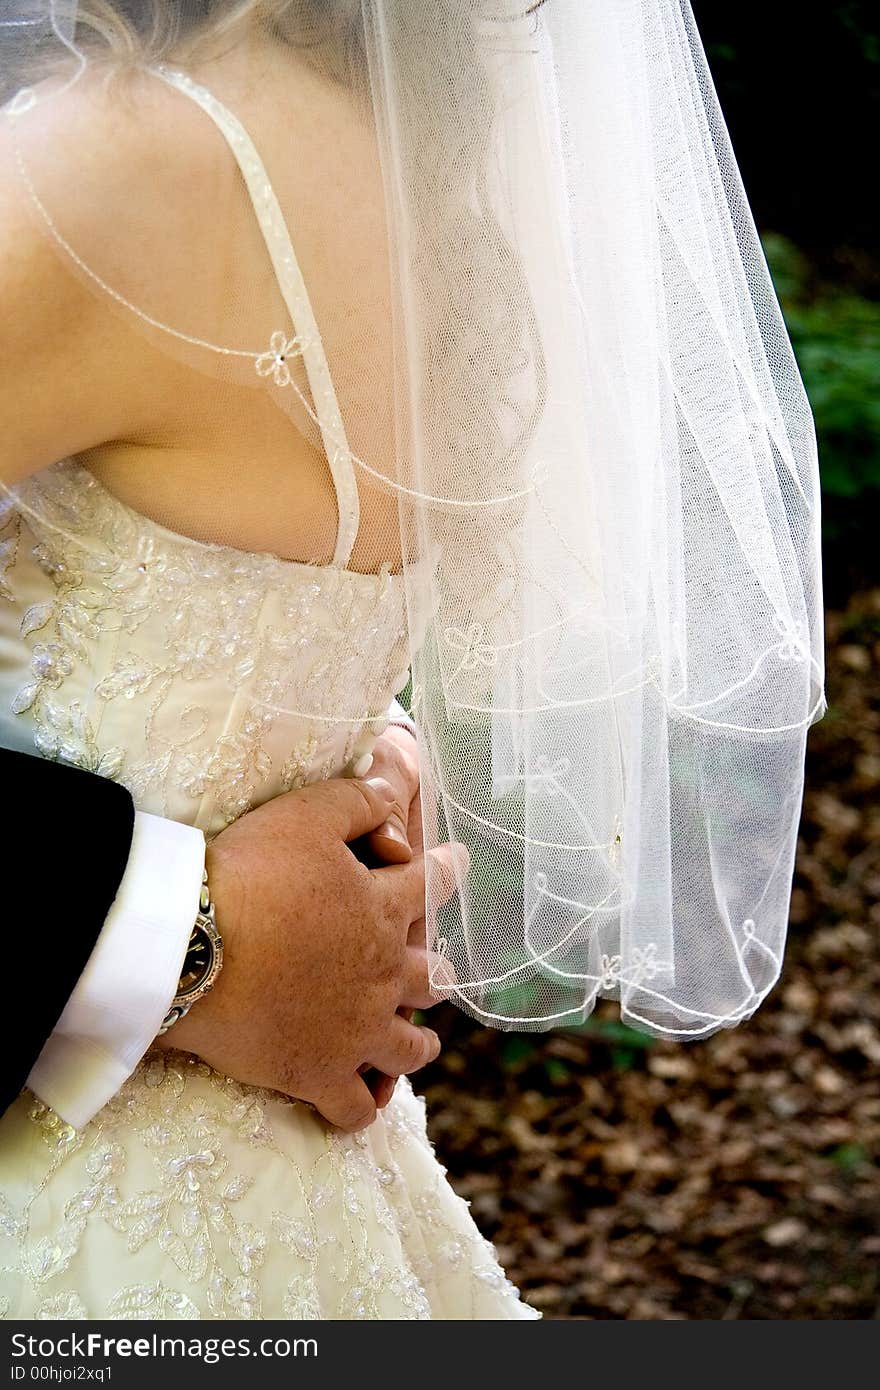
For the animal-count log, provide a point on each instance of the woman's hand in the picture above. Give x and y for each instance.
(396, 760)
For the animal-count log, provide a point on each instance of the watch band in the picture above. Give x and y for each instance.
(204, 958)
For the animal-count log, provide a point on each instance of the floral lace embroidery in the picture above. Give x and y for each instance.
(159, 616)
(230, 1202)
(10, 535)
(273, 362)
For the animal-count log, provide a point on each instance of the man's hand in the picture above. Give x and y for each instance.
(396, 759)
(316, 953)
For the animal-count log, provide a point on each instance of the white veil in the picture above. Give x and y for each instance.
(574, 415)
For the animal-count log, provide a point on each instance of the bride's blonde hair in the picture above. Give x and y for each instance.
(329, 32)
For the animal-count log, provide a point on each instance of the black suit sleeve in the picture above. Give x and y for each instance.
(66, 838)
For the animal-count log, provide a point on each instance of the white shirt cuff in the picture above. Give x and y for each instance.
(131, 977)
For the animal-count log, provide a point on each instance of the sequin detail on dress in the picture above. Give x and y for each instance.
(142, 629)
(197, 1197)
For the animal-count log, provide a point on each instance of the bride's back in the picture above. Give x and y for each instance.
(156, 266)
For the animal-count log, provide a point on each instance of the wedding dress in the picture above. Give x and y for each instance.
(190, 1195)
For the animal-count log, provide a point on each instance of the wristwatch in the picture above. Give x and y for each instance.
(202, 962)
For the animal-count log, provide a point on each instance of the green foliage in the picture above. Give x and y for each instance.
(849, 1157)
(628, 1045)
(558, 1073)
(836, 338)
(515, 1000)
(517, 1051)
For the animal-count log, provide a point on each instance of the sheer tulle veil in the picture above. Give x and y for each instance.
(576, 422)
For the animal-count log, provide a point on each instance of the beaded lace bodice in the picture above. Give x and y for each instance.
(204, 678)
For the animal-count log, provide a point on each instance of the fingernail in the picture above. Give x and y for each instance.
(393, 830)
(380, 785)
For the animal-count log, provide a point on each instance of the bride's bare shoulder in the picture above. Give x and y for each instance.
(94, 148)
(93, 194)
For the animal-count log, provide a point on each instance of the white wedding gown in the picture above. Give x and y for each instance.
(162, 662)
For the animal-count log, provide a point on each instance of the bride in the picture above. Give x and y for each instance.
(373, 335)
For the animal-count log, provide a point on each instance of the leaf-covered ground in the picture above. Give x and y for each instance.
(734, 1178)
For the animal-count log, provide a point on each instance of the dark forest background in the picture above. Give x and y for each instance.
(800, 88)
(621, 1177)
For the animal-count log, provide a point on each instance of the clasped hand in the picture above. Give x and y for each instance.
(324, 951)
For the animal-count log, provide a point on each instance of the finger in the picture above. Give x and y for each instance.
(381, 1086)
(405, 886)
(390, 843)
(405, 1048)
(417, 992)
(397, 763)
(442, 978)
(428, 813)
(383, 1090)
(418, 934)
(441, 968)
(347, 807)
(349, 1105)
(395, 757)
(415, 830)
(448, 866)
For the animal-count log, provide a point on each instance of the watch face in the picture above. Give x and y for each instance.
(197, 962)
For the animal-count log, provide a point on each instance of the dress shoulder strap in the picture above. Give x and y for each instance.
(293, 290)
